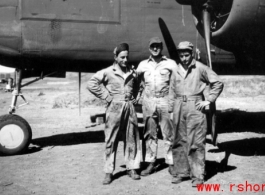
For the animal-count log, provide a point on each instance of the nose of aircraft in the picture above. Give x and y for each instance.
(10, 27)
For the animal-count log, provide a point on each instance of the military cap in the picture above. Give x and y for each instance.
(154, 40)
(185, 45)
(121, 47)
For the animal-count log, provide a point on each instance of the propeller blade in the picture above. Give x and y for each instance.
(207, 34)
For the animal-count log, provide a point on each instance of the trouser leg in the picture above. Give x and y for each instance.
(112, 127)
(150, 139)
(150, 130)
(110, 157)
(132, 152)
(196, 129)
(166, 126)
(180, 144)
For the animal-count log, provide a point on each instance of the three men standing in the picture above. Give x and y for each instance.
(166, 87)
(116, 85)
(188, 106)
(155, 73)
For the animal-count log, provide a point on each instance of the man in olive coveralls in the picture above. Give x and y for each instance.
(118, 82)
(155, 73)
(188, 106)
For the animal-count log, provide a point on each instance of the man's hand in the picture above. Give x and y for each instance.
(201, 105)
(139, 100)
(134, 101)
(107, 104)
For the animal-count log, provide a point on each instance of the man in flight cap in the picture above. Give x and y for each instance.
(116, 85)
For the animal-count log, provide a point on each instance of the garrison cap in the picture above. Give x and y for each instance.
(154, 40)
(185, 45)
(121, 47)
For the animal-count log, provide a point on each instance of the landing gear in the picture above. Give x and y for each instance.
(15, 134)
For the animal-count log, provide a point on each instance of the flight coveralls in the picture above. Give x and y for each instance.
(121, 119)
(155, 78)
(190, 124)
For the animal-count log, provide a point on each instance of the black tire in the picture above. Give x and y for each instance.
(15, 134)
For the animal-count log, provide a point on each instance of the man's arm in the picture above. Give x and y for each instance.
(135, 88)
(140, 83)
(95, 86)
(216, 87)
(171, 92)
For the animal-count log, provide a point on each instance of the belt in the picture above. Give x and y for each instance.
(186, 98)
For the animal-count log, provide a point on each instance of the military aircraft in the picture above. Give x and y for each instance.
(50, 37)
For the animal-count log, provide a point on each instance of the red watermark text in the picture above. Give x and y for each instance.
(241, 187)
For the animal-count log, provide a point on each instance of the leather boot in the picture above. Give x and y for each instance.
(197, 182)
(133, 174)
(177, 180)
(171, 169)
(149, 170)
(108, 179)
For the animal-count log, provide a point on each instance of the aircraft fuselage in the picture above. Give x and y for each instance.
(55, 34)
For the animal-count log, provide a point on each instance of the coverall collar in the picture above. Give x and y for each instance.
(117, 70)
(151, 58)
(192, 65)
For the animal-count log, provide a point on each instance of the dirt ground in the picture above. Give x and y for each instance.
(66, 156)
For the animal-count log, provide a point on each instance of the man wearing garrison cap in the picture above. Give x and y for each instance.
(187, 102)
(116, 85)
(155, 73)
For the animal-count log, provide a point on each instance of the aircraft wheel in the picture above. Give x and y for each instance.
(15, 134)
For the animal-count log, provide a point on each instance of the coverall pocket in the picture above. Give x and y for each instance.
(164, 74)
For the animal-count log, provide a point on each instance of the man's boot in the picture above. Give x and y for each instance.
(150, 169)
(170, 169)
(108, 179)
(133, 174)
(197, 182)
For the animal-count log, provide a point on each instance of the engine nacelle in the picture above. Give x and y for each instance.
(234, 23)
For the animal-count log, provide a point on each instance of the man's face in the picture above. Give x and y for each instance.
(155, 49)
(122, 58)
(185, 57)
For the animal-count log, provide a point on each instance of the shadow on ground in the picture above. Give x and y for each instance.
(70, 139)
(244, 147)
(239, 121)
(213, 167)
